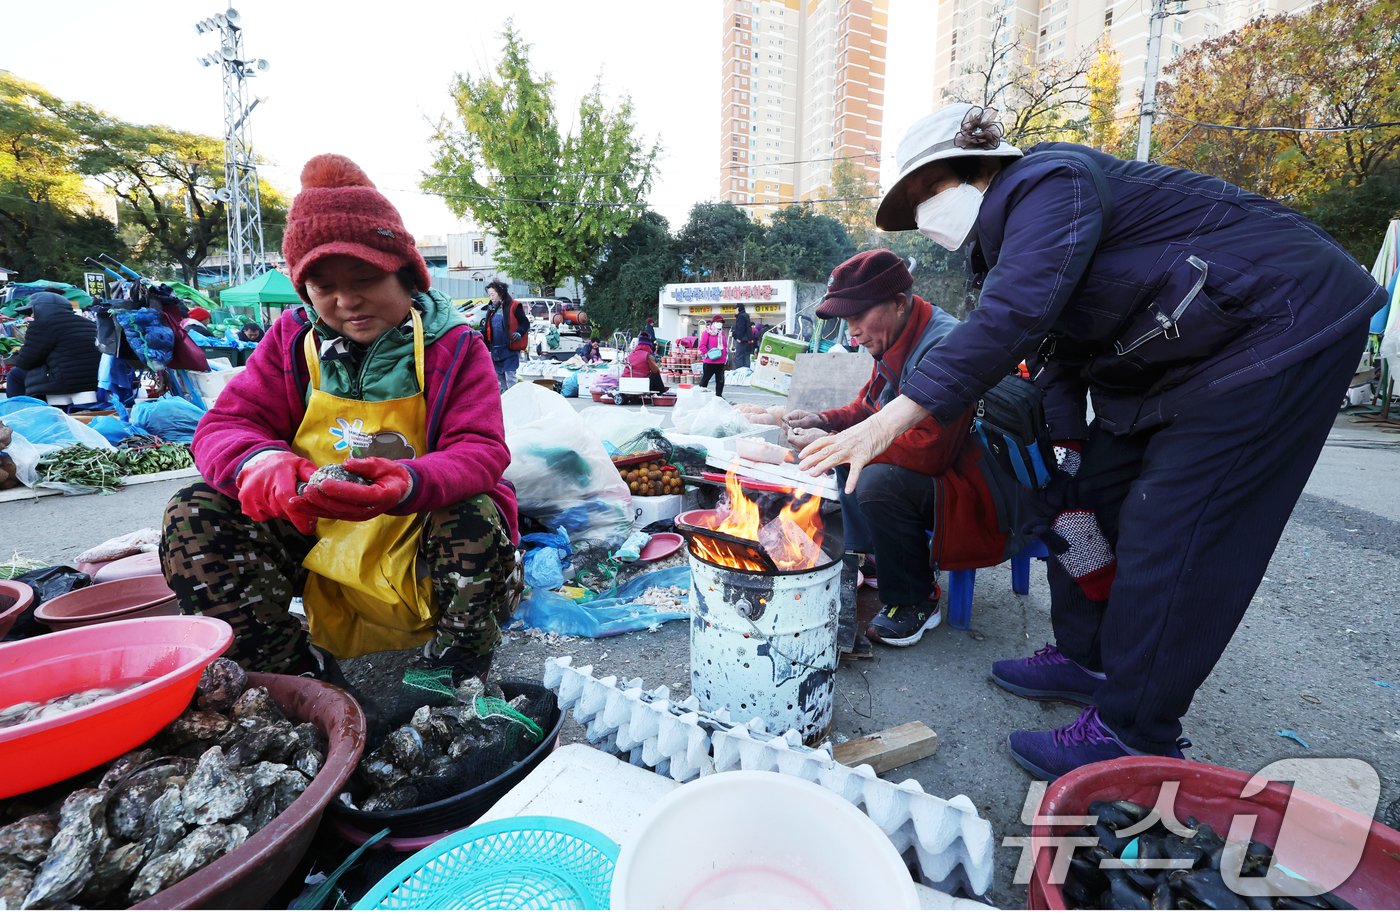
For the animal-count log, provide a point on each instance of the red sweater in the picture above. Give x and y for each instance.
(967, 534)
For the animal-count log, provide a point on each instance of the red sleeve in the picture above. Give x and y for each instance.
(259, 410)
(929, 447)
(470, 456)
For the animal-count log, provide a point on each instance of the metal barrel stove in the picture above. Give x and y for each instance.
(763, 644)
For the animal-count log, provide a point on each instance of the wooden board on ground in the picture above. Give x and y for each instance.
(890, 748)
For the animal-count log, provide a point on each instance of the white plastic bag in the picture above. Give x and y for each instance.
(36, 431)
(561, 473)
(609, 424)
(705, 414)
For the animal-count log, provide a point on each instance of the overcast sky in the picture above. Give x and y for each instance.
(367, 80)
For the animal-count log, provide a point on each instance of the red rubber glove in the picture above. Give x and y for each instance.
(389, 485)
(267, 489)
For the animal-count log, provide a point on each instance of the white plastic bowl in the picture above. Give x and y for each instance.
(759, 841)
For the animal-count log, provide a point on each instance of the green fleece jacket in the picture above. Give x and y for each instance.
(384, 370)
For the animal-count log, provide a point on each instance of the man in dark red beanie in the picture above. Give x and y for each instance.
(924, 503)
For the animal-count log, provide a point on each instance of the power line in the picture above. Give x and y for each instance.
(752, 165)
(1370, 125)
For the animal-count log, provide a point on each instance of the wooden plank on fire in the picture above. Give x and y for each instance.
(888, 749)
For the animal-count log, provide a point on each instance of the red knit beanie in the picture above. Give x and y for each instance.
(339, 211)
(864, 281)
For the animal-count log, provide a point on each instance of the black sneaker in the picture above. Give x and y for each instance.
(904, 624)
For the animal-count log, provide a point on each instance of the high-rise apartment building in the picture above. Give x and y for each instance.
(1056, 30)
(802, 86)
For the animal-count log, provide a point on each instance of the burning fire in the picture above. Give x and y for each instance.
(792, 540)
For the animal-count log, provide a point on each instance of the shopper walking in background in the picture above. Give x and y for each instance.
(506, 328)
(743, 338)
(714, 350)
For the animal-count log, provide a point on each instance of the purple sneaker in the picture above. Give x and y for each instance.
(1047, 675)
(1050, 755)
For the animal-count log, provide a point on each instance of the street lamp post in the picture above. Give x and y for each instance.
(240, 191)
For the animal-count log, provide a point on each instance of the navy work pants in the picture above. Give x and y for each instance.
(1194, 510)
(891, 514)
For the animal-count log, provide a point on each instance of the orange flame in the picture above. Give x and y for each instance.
(793, 540)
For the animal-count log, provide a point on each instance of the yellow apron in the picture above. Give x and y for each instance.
(363, 594)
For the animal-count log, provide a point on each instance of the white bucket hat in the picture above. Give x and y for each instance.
(954, 130)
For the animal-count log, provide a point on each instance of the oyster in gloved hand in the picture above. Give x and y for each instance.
(336, 472)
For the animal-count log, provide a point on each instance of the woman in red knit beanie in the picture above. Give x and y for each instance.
(410, 540)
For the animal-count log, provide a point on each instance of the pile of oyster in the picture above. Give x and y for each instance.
(213, 777)
(444, 750)
(1138, 863)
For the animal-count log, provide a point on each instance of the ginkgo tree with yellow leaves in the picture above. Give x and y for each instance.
(1332, 66)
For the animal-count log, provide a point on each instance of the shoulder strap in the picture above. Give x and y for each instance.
(1092, 167)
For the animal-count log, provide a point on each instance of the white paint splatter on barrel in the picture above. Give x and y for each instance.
(765, 646)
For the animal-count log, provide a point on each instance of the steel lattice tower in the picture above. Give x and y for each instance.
(240, 192)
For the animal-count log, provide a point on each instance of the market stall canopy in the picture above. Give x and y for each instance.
(19, 292)
(271, 288)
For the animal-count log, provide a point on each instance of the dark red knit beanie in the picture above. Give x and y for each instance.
(339, 211)
(864, 281)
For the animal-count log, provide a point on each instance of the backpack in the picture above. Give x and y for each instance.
(1009, 424)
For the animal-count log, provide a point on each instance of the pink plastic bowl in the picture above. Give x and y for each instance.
(167, 653)
(120, 599)
(14, 598)
(140, 564)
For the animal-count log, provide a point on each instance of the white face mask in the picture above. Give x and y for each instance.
(948, 217)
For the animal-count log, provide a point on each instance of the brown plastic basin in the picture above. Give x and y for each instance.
(248, 877)
(121, 599)
(14, 598)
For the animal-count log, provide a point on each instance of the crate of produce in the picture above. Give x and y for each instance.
(649, 474)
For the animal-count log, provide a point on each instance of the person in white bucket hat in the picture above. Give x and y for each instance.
(967, 140)
(1216, 332)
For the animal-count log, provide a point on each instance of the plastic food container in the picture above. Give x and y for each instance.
(119, 599)
(167, 654)
(1212, 794)
(517, 863)
(14, 598)
(756, 840)
(249, 876)
(427, 822)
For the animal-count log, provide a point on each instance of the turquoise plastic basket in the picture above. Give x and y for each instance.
(517, 863)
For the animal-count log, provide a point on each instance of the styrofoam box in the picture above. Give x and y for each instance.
(771, 380)
(648, 509)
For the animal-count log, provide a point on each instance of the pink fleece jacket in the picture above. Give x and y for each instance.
(467, 455)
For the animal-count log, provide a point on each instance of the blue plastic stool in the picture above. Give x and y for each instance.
(961, 581)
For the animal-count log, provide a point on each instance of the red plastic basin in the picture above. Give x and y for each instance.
(1212, 795)
(169, 653)
(248, 877)
(139, 564)
(14, 598)
(120, 599)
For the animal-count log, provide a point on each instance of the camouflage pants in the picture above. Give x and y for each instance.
(222, 564)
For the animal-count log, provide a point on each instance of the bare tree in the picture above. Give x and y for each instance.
(1037, 101)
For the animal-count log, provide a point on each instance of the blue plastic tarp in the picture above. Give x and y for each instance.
(613, 612)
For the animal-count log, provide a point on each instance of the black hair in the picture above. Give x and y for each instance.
(408, 277)
(501, 290)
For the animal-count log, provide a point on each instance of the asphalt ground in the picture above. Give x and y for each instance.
(1318, 653)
